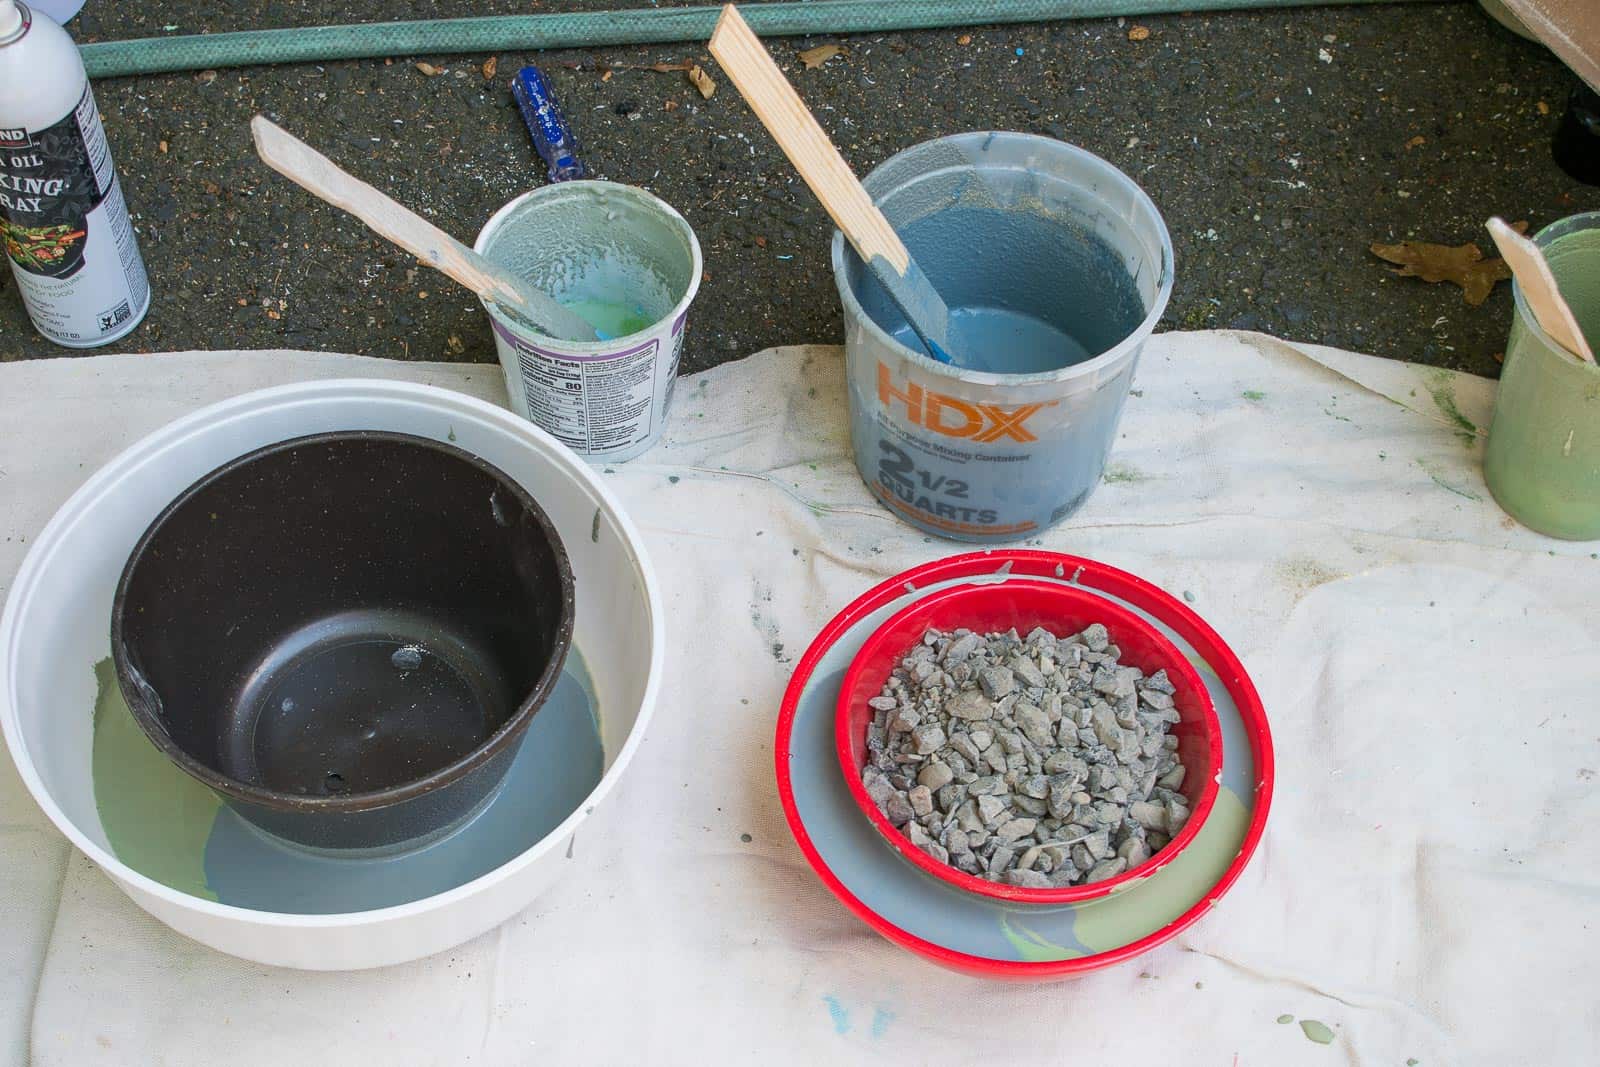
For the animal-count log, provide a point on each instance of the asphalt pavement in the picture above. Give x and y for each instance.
(1279, 146)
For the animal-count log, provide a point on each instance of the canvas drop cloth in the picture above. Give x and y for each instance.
(1428, 882)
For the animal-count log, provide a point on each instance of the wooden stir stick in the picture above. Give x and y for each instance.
(784, 114)
(310, 169)
(1532, 271)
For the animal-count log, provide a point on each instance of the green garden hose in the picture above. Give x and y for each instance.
(505, 33)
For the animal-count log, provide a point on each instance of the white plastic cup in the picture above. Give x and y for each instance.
(599, 248)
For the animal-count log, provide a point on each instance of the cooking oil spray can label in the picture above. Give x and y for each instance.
(66, 229)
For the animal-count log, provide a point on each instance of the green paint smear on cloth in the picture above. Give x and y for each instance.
(156, 818)
(1316, 1031)
(1443, 389)
(1159, 899)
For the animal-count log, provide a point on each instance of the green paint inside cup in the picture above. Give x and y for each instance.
(1542, 462)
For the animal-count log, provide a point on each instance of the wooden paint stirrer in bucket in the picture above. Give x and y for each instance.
(813, 154)
(1533, 275)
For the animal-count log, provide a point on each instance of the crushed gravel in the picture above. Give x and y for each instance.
(1041, 762)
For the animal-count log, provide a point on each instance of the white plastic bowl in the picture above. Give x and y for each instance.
(56, 627)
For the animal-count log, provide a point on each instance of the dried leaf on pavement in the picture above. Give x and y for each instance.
(815, 57)
(1139, 33)
(1462, 265)
(490, 65)
(703, 82)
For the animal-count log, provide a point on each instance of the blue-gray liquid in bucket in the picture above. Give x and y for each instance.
(1030, 294)
(1027, 293)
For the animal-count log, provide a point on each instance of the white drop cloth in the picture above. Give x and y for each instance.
(1426, 887)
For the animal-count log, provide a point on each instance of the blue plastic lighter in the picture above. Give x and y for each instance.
(552, 137)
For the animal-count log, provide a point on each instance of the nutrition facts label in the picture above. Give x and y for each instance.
(595, 405)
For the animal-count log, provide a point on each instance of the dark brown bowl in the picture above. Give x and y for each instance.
(345, 635)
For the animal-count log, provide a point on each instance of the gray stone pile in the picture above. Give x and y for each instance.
(1038, 761)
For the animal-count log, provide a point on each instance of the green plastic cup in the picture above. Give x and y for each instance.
(1543, 458)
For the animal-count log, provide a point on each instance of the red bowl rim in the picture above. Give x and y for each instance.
(1117, 618)
(1129, 587)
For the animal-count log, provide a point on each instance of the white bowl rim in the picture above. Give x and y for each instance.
(79, 505)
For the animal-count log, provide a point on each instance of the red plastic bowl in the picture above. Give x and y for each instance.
(1062, 610)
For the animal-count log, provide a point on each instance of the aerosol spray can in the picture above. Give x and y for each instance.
(62, 216)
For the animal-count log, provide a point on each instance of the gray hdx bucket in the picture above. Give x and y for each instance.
(1074, 252)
